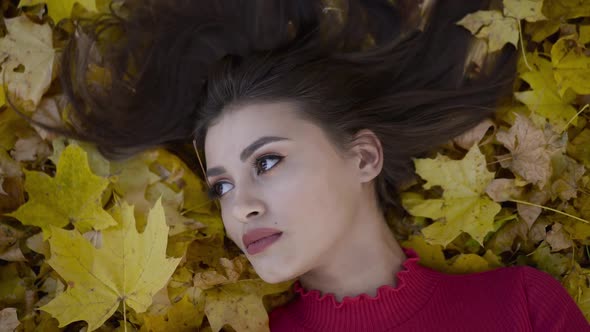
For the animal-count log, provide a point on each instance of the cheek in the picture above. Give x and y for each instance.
(232, 230)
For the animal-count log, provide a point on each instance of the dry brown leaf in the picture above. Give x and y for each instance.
(8, 320)
(13, 254)
(48, 113)
(501, 190)
(31, 149)
(566, 174)
(531, 213)
(557, 238)
(531, 150)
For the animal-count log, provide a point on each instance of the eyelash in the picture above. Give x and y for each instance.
(213, 194)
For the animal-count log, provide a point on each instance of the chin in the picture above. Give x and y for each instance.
(274, 279)
(275, 276)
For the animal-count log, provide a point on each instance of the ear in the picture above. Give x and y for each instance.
(369, 153)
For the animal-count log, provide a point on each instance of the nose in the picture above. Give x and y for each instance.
(247, 205)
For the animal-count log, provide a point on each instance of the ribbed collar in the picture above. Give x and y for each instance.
(390, 307)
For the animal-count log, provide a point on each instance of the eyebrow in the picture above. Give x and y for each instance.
(247, 152)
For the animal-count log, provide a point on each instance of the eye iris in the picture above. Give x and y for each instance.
(218, 188)
(265, 161)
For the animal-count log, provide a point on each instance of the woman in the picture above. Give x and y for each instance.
(308, 117)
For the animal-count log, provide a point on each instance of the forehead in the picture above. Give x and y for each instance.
(240, 125)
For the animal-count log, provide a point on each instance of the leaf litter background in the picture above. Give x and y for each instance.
(88, 244)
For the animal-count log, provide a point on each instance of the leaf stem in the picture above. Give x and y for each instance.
(522, 46)
(550, 209)
(499, 160)
(124, 316)
(574, 117)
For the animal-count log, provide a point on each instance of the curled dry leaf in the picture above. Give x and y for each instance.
(48, 112)
(31, 149)
(13, 254)
(557, 238)
(475, 134)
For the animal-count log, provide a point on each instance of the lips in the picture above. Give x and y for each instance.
(258, 234)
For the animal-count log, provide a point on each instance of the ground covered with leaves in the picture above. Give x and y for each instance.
(136, 245)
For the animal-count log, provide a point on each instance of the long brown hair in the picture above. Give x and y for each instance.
(178, 65)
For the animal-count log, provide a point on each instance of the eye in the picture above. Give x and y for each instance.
(261, 164)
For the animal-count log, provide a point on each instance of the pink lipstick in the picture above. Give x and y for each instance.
(257, 240)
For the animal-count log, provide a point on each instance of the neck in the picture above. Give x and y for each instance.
(367, 257)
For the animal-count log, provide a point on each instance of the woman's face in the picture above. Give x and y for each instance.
(298, 184)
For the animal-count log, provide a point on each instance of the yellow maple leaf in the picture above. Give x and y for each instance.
(530, 10)
(576, 283)
(566, 9)
(433, 257)
(579, 147)
(492, 26)
(555, 264)
(501, 28)
(240, 305)
(584, 37)
(571, 66)
(60, 9)
(130, 267)
(12, 127)
(27, 47)
(176, 173)
(182, 316)
(465, 207)
(543, 98)
(73, 195)
(172, 202)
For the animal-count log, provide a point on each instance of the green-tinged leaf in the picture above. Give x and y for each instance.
(566, 9)
(72, 196)
(572, 66)
(182, 316)
(60, 9)
(555, 264)
(240, 305)
(579, 147)
(465, 207)
(543, 98)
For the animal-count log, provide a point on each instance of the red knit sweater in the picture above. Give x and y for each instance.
(506, 299)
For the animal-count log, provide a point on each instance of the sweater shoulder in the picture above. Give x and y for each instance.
(503, 284)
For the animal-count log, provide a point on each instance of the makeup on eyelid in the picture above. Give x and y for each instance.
(212, 192)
